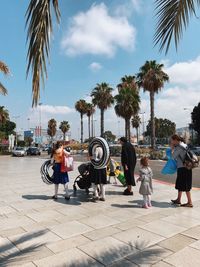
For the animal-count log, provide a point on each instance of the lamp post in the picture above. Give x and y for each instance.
(143, 123)
(16, 117)
(28, 120)
(190, 124)
(40, 122)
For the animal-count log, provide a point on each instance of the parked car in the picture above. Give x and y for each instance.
(33, 151)
(196, 150)
(18, 152)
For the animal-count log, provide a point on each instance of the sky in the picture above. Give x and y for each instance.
(96, 41)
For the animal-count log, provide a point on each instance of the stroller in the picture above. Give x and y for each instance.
(83, 180)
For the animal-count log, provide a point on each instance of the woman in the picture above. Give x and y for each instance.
(59, 177)
(184, 176)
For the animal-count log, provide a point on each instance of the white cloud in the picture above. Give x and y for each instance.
(128, 8)
(185, 73)
(95, 66)
(97, 32)
(56, 109)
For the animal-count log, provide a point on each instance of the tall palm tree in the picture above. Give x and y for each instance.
(173, 16)
(136, 124)
(64, 127)
(51, 130)
(39, 29)
(4, 115)
(127, 101)
(152, 78)
(81, 107)
(103, 99)
(5, 70)
(90, 112)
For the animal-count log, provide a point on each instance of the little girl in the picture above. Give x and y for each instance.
(145, 178)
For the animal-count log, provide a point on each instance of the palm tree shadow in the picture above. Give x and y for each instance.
(10, 254)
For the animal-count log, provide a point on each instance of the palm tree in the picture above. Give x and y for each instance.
(4, 115)
(81, 107)
(5, 70)
(103, 99)
(90, 112)
(127, 101)
(51, 130)
(152, 78)
(136, 124)
(64, 127)
(172, 17)
(39, 29)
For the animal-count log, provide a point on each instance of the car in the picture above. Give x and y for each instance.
(18, 152)
(33, 151)
(196, 150)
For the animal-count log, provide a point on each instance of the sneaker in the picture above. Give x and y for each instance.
(102, 199)
(54, 197)
(145, 206)
(149, 205)
(94, 199)
(67, 197)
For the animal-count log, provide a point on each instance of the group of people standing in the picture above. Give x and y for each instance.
(128, 161)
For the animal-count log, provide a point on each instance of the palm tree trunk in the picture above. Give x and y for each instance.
(137, 133)
(102, 122)
(81, 128)
(64, 136)
(128, 130)
(89, 126)
(153, 139)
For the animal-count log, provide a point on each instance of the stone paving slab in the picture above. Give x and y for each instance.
(38, 231)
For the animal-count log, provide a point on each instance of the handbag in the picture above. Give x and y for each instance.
(69, 163)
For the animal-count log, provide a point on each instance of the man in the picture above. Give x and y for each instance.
(128, 160)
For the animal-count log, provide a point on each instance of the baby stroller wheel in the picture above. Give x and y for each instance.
(87, 191)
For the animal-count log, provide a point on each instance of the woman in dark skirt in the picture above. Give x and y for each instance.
(59, 176)
(184, 176)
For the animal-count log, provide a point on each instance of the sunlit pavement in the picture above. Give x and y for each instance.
(38, 231)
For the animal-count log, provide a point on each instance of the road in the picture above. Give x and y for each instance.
(156, 166)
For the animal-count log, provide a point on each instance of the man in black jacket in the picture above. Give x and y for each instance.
(128, 160)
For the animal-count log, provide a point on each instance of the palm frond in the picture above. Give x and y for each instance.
(172, 16)
(4, 68)
(39, 29)
(3, 90)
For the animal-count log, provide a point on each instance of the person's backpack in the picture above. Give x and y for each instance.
(191, 160)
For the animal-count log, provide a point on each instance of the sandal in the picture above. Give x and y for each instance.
(175, 202)
(54, 197)
(188, 205)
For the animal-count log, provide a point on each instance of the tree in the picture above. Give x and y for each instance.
(51, 130)
(64, 127)
(4, 115)
(164, 128)
(5, 70)
(28, 140)
(109, 136)
(136, 121)
(103, 99)
(8, 127)
(39, 29)
(127, 101)
(173, 16)
(152, 78)
(196, 120)
(81, 107)
(90, 112)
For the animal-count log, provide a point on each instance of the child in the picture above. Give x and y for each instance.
(112, 167)
(145, 178)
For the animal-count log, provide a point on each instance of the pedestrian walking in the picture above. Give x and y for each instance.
(60, 176)
(184, 175)
(128, 160)
(145, 177)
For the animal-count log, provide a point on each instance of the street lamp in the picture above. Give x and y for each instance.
(40, 122)
(16, 117)
(190, 124)
(28, 119)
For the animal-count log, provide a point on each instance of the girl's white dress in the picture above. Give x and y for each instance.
(146, 175)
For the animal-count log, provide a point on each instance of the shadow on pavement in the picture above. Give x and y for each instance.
(12, 255)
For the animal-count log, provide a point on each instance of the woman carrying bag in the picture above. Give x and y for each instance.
(60, 173)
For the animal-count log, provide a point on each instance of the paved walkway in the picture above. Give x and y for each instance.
(37, 231)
